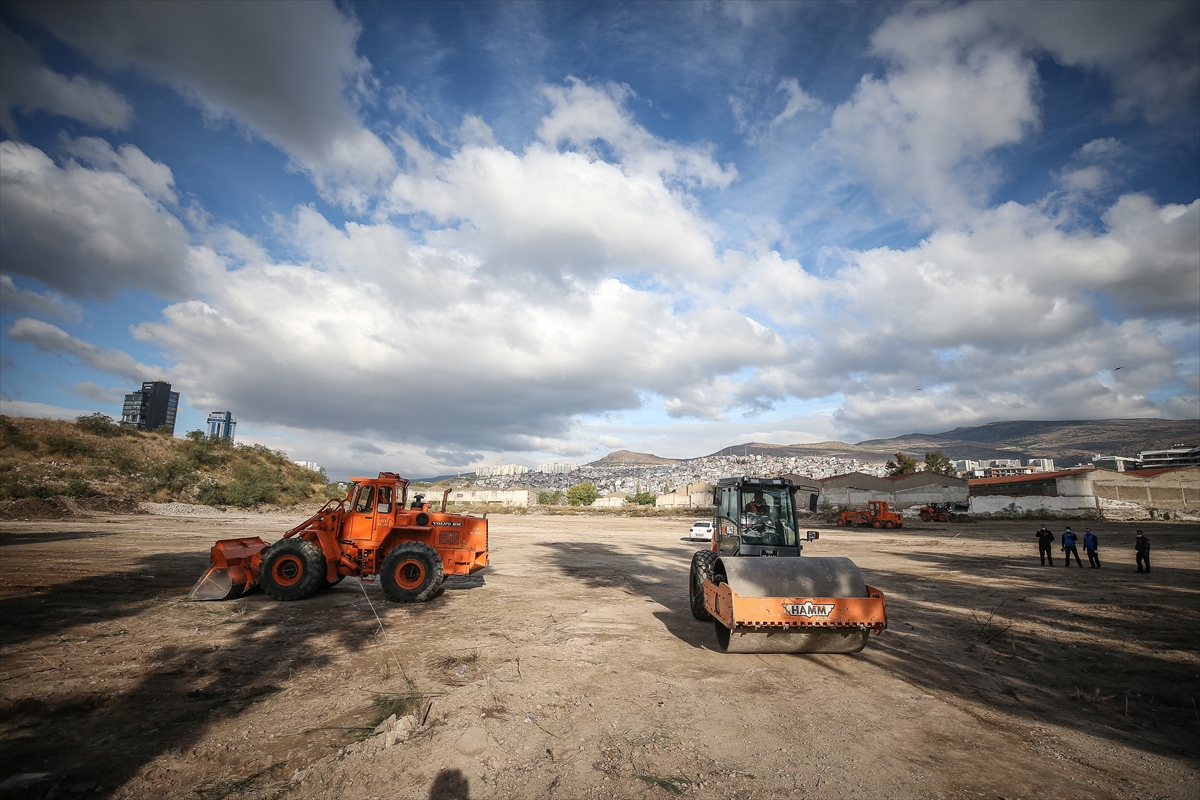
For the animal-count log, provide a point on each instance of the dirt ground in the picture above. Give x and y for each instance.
(572, 668)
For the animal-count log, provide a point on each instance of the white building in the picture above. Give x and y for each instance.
(503, 497)
(552, 468)
(1041, 464)
(314, 466)
(615, 500)
(503, 469)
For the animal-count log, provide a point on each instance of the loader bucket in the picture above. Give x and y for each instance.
(792, 605)
(231, 571)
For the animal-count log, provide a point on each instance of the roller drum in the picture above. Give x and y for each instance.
(832, 640)
(793, 577)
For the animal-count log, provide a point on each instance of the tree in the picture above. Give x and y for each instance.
(903, 465)
(939, 463)
(582, 494)
(643, 498)
(548, 498)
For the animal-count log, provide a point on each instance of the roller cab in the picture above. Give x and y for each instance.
(762, 595)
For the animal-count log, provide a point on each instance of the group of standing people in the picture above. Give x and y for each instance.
(1091, 543)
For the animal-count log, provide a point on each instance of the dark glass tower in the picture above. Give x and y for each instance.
(151, 408)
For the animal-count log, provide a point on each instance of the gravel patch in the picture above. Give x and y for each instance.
(179, 510)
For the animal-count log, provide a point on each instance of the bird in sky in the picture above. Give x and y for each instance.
(1120, 367)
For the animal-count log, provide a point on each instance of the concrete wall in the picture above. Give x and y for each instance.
(1108, 493)
(612, 501)
(1177, 490)
(695, 495)
(902, 498)
(1009, 506)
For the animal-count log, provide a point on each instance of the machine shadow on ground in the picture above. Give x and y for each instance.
(241, 653)
(995, 632)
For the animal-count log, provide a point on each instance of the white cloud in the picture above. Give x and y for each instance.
(15, 300)
(797, 100)
(28, 85)
(25, 408)
(556, 215)
(155, 179)
(54, 340)
(90, 391)
(289, 73)
(921, 134)
(583, 115)
(89, 231)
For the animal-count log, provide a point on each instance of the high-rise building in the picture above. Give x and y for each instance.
(151, 408)
(221, 425)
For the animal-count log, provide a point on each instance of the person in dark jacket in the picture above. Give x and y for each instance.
(1092, 545)
(1142, 545)
(1069, 540)
(1045, 540)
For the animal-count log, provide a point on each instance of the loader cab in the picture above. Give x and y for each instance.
(756, 517)
(370, 508)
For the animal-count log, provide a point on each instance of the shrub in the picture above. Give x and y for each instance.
(78, 487)
(69, 446)
(11, 436)
(550, 498)
(99, 425)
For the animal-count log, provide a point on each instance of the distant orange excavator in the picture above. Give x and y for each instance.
(369, 534)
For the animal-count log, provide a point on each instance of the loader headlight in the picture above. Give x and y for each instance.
(422, 519)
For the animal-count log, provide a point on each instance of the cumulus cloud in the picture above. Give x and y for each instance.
(583, 115)
(569, 213)
(87, 232)
(28, 85)
(921, 133)
(88, 390)
(961, 81)
(54, 340)
(289, 73)
(15, 300)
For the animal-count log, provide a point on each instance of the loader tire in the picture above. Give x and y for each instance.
(702, 570)
(925, 516)
(876, 524)
(840, 523)
(292, 569)
(412, 573)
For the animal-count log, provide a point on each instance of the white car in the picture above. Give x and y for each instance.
(701, 531)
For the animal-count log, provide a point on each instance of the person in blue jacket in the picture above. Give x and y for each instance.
(1068, 545)
(1092, 545)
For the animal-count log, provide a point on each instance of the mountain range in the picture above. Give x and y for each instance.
(1068, 442)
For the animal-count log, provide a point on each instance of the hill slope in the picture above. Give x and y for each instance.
(622, 457)
(100, 465)
(1066, 441)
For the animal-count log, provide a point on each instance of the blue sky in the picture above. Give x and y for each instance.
(428, 237)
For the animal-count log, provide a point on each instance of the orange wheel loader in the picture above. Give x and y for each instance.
(369, 534)
(761, 595)
(877, 514)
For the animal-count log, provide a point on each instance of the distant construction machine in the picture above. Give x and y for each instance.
(369, 534)
(761, 595)
(877, 514)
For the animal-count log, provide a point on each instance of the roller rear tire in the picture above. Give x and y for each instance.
(702, 570)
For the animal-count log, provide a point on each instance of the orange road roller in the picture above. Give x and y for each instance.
(761, 595)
